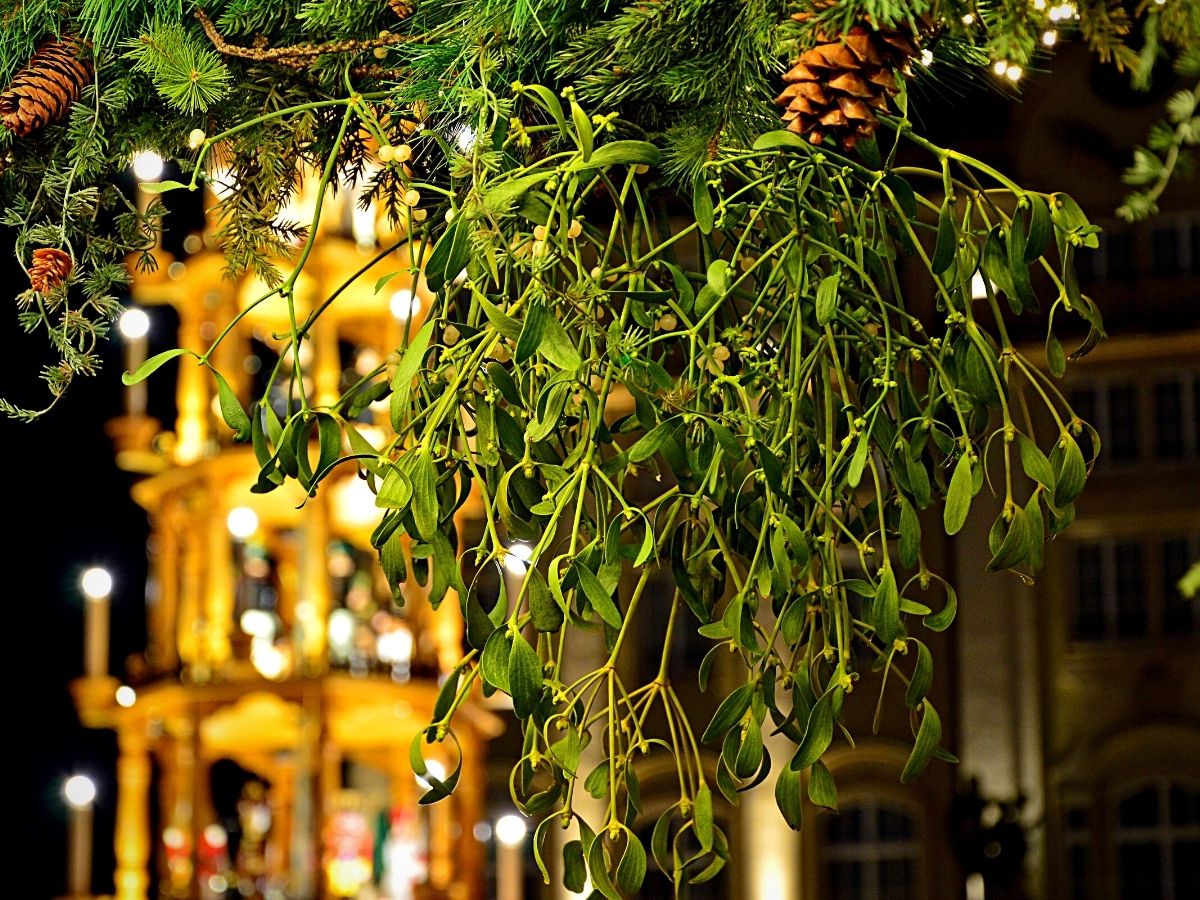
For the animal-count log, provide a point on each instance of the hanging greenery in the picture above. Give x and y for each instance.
(673, 334)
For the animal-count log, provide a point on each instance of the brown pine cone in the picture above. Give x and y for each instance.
(51, 267)
(403, 8)
(44, 90)
(834, 89)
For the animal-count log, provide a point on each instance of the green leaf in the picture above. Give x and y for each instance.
(584, 134)
(450, 256)
(574, 867)
(958, 496)
(652, 441)
(910, 534)
(632, 869)
(597, 595)
(730, 711)
(152, 365)
(947, 239)
(500, 195)
(1072, 472)
(788, 798)
(1037, 533)
(887, 607)
(622, 153)
(532, 331)
(558, 347)
(161, 187)
(776, 140)
(819, 732)
(596, 783)
(395, 491)
(329, 440)
(425, 499)
(827, 297)
(922, 677)
(231, 410)
(1056, 358)
(821, 789)
(1041, 228)
(524, 677)
(702, 205)
(1015, 546)
(406, 370)
(495, 661)
(859, 461)
(702, 817)
(1034, 462)
(599, 870)
(547, 614)
(928, 737)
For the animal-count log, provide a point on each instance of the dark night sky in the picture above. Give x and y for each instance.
(65, 507)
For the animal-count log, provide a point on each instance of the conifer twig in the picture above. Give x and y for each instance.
(297, 55)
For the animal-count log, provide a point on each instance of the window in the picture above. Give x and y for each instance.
(1078, 844)
(1113, 410)
(1110, 581)
(1157, 842)
(1164, 243)
(870, 853)
(1117, 248)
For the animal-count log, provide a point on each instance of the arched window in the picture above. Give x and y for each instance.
(1157, 842)
(871, 850)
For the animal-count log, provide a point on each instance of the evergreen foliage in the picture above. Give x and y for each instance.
(614, 181)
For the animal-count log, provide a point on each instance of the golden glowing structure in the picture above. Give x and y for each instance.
(275, 650)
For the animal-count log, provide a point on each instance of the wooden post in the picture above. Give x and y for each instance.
(132, 840)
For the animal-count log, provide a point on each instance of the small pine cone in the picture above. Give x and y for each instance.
(834, 89)
(50, 269)
(403, 8)
(44, 90)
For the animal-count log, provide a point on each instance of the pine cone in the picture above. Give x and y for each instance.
(834, 89)
(403, 8)
(44, 90)
(50, 269)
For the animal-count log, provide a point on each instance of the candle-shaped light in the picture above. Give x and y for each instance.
(97, 591)
(510, 857)
(134, 325)
(80, 792)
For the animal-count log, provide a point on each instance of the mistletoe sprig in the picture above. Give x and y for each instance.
(728, 390)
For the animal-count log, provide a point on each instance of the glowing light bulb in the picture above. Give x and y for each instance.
(96, 583)
(242, 522)
(126, 696)
(1013, 73)
(147, 166)
(405, 304)
(1049, 38)
(80, 791)
(1000, 66)
(510, 830)
(516, 560)
(134, 323)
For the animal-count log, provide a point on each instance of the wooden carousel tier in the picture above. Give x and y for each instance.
(254, 714)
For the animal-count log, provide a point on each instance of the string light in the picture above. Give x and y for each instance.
(1049, 38)
(1013, 73)
(510, 830)
(80, 791)
(134, 323)
(147, 166)
(125, 696)
(96, 583)
(1000, 66)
